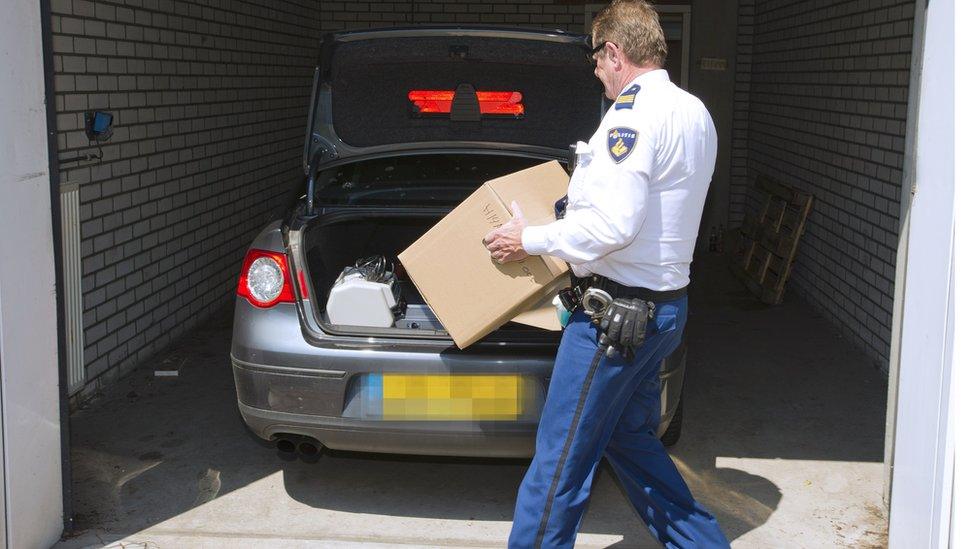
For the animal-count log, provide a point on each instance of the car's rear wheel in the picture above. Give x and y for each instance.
(673, 432)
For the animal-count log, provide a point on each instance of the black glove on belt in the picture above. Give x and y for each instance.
(624, 325)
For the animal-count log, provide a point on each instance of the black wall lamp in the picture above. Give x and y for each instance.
(98, 128)
(98, 125)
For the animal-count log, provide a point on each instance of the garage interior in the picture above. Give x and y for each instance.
(785, 419)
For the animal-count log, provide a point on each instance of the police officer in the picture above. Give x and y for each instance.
(634, 205)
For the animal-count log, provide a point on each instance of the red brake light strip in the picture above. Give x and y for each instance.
(490, 102)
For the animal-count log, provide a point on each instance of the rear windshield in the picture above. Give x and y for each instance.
(371, 79)
(421, 180)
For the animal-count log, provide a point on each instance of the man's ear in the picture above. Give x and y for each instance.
(614, 55)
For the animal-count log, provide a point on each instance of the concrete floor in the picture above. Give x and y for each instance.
(783, 439)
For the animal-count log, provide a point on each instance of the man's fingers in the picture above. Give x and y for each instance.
(516, 211)
(507, 256)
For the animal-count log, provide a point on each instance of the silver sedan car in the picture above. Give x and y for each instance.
(403, 125)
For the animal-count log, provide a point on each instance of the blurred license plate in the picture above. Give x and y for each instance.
(431, 397)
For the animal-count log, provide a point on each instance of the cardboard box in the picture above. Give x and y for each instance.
(543, 313)
(470, 294)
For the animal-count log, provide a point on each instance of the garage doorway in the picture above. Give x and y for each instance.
(127, 324)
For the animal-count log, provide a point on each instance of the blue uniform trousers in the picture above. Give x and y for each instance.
(598, 406)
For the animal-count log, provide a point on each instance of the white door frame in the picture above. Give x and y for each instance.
(30, 407)
(921, 485)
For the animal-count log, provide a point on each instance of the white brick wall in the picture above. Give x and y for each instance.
(740, 125)
(823, 107)
(210, 100)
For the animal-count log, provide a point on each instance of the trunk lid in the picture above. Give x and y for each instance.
(361, 103)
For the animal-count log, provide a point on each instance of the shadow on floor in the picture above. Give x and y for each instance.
(762, 383)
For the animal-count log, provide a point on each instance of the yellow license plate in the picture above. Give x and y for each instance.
(454, 397)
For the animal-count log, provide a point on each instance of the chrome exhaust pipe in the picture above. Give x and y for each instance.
(309, 447)
(286, 444)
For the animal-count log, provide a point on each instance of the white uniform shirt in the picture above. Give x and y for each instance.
(637, 194)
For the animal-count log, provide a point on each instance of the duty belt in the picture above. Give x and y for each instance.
(617, 290)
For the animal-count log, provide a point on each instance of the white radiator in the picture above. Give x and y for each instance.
(71, 253)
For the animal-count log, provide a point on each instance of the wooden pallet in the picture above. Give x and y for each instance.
(764, 247)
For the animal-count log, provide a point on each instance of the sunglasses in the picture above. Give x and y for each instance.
(595, 49)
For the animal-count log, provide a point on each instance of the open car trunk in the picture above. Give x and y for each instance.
(333, 242)
(416, 119)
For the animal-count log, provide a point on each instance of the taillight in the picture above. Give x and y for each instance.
(489, 102)
(264, 279)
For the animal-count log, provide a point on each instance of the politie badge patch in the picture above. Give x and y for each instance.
(626, 99)
(620, 143)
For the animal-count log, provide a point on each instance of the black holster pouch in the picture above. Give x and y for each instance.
(623, 326)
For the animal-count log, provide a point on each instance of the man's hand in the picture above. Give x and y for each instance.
(505, 242)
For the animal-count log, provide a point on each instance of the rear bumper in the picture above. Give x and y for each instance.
(495, 439)
(318, 415)
(285, 385)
